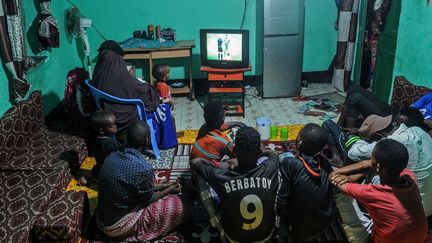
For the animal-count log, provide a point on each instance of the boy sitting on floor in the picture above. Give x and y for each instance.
(247, 192)
(212, 144)
(103, 123)
(394, 204)
(304, 200)
(131, 208)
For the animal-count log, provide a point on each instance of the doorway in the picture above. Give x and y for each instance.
(377, 46)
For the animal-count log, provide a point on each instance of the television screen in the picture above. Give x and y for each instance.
(225, 48)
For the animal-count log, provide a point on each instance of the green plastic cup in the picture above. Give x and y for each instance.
(284, 133)
(273, 132)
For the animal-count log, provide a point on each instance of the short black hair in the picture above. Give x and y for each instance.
(414, 117)
(214, 115)
(247, 139)
(392, 155)
(101, 119)
(159, 71)
(314, 138)
(137, 134)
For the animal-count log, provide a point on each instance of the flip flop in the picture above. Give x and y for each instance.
(303, 108)
(301, 98)
(328, 116)
(314, 113)
(324, 106)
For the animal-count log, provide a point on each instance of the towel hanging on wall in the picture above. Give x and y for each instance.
(48, 32)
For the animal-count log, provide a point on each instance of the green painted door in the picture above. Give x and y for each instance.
(383, 80)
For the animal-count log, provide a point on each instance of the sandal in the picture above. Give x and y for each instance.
(314, 113)
(301, 98)
(328, 116)
(303, 108)
(306, 107)
(324, 106)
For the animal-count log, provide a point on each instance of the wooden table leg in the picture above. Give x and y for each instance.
(191, 86)
(151, 68)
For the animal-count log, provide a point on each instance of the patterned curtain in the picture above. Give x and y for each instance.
(347, 32)
(48, 32)
(12, 47)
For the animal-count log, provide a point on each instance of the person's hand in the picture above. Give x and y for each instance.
(338, 180)
(168, 184)
(334, 173)
(175, 188)
(350, 130)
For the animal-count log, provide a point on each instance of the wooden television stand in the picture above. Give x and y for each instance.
(227, 82)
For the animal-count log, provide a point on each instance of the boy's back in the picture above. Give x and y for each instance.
(304, 201)
(103, 147)
(396, 212)
(247, 198)
(212, 144)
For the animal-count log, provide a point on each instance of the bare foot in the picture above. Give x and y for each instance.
(82, 181)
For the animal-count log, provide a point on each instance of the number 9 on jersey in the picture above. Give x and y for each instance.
(255, 214)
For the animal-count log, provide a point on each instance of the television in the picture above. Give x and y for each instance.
(224, 48)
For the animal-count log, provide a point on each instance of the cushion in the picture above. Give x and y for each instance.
(405, 93)
(20, 123)
(48, 149)
(24, 195)
(64, 218)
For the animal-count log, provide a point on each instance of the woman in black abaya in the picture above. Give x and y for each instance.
(111, 76)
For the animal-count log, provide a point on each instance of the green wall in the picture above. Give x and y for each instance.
(414, 44)
(118, 21)
(4, 93)
(49, 76)
(320, 35)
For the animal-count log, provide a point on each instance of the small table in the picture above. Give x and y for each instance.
(181, 49)
(227, 81)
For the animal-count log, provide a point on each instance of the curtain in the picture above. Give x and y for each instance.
(12, 47)
(347, 32)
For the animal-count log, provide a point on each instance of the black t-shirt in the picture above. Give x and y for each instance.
(247, 199)
(304, 200)
(103, 147)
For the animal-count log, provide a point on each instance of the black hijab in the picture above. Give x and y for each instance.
(111, 76)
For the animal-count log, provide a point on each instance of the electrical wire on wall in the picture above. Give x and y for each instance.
(246, 2)
(93, 25)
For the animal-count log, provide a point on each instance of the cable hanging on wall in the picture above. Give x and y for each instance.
(93, 25)
(246, 2)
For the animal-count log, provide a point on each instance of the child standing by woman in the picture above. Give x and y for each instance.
(161, 72)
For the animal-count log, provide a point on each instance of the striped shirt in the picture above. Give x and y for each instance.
(212, 146)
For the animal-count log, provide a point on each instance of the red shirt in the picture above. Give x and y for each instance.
(397, 212)
(163, 89)
(213, 145)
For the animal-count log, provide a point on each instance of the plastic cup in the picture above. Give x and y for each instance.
(284, 133)
(274, 132)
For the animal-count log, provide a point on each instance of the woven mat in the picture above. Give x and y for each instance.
(190, 135)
